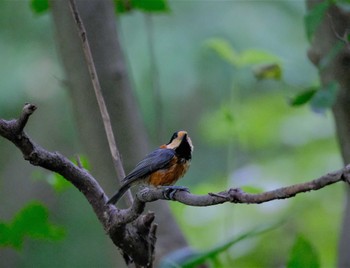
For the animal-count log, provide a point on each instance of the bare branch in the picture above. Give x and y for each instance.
(135, 240)
(54, 161)
(28, 110)
(99, 97)
(238, 196)
(133, 234)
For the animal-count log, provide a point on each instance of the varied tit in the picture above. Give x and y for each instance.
(162, 167)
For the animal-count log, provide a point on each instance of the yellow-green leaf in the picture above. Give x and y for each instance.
(223, 49)
(268, 71)
(257, 56)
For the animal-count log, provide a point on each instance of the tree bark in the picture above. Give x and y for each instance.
(100, 23)
(335, 24)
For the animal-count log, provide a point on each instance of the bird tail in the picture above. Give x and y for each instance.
(114, 199)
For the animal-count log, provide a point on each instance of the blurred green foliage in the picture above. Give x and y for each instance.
(319, 98)
(303, 254)
(30, 222)
(245, 58)
(304, 97)
(268, 71)
(325, 97)
(213, 255)
(314, 17)
(39, 6)
(245, 132)
(59, 183)
(123, 6)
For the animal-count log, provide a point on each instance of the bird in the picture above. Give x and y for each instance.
(162, 167)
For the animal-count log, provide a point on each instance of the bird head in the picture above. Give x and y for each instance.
(181, 143)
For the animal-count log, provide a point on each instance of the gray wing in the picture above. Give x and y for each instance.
(156, 160)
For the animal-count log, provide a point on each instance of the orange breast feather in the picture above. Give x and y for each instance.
(169, 176)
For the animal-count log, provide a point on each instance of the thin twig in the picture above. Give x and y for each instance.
(343, 38)
(79, 164)
(236, 195)
(140, 233)
(98, 92)
(37, 156)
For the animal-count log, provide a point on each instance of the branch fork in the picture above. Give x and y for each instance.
(125, 227)
(128, 228)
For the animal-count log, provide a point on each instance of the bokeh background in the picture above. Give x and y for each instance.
(245, 132)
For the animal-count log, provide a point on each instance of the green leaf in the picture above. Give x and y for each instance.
(39, 6)
(223, 49)
(314, 17)
(268, 71)
(213, 253)
(257, 56)
(59, 183)
(304, 97)
(303, 254)
(123, 6)
(84, 161)
(325, 97)
(31, 221)
(246, 58)
(320, 99)
(151, 5)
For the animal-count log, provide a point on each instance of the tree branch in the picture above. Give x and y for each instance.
(99, 96)
(135, 240)
(331, 31)
(236, 195)
(132, 233)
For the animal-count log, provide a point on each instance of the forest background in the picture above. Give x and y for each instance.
(244, 128)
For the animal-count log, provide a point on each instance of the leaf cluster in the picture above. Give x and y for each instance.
(121, 6)
(30, 222)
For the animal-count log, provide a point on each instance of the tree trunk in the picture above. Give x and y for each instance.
(100, 23)
(334, 24)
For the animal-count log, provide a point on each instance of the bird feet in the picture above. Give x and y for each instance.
(170, 191)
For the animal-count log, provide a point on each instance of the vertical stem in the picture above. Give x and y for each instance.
(334, 24)
(100, 100)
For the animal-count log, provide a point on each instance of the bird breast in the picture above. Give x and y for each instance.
(169, 176)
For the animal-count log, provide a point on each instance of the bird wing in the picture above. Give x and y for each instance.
(156, 160)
